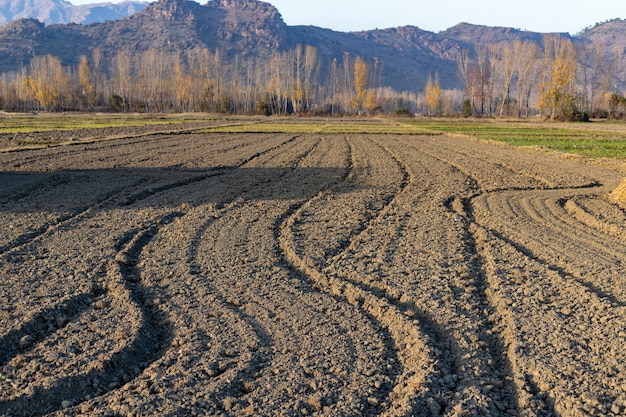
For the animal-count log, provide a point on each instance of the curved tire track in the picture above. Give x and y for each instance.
(150, 340)
(124, 287)
(434, 289)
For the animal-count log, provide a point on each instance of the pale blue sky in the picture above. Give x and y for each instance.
(436, 15)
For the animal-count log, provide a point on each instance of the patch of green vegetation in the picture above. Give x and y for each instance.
(298, 126)
(600, 139)
(21, 123)
(289, 128)
(591, 140)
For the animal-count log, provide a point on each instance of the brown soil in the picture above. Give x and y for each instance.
(330, 275)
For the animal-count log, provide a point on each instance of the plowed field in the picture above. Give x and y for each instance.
(331, 275)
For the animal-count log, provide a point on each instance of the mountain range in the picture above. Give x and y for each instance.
(254, 28)
(62, 12)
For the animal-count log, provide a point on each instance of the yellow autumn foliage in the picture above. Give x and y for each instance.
(433, 95)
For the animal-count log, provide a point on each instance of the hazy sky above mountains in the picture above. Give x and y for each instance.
(437, 15)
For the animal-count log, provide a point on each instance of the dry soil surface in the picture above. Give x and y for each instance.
(294, 275)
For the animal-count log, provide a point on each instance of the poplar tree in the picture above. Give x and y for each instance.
(48, 80)
(86, 82)
(433, 95)
(360, 83)
(526, 66)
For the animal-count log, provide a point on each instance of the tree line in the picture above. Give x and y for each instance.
(199, 80)
(557, 79)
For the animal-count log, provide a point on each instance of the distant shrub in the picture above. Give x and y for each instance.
(263, 108)
(467, 107)
(117, 103)
(574, 116)
(226, 104)
(600, 114)
(403, 113)
(570, 113)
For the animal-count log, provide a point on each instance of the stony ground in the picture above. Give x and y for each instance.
(330, 275)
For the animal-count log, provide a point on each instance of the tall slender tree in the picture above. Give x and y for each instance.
(86, 82)
(504, 68)
(433, 95)
(48, 81)
(526, 66)
(361, 74)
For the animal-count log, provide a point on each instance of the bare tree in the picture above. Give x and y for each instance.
(464, 64)
(309, 74)
(526, 66)
(97, 72)
(480, 77)
(122, 77)
(504, 70)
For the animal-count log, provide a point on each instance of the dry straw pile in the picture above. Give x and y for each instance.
(619, 195)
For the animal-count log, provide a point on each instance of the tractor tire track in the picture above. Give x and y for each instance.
(58, 396)
(494, 361)
(350, 376)
(550, 256)
(552, 236)
(228, 389)
(150, 340)
(118, 196)
(406, 336)
(585, 209)
(313, 275)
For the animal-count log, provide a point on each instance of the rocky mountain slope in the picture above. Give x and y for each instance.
(612, 36)
(255, 28)
(472, 34)
(62, 12)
